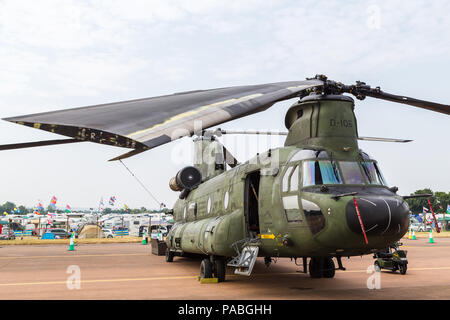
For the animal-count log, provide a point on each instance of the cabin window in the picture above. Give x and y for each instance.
(192, 209)
(225, 200)
(320, 172)
(291, 209)
(208, 208)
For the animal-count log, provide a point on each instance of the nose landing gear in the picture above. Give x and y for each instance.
(321, 267)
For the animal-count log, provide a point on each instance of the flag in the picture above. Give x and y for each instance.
(53, 202)
(101, 205)
(424, 209)
(50, 220)
(40, 207)
(68, 209)
(126, 207)
(112, 199)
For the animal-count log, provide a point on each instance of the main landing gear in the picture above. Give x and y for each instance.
(213, 268)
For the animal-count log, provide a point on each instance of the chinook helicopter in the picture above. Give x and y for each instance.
(319, 197)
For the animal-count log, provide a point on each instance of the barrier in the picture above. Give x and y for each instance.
(121, 232)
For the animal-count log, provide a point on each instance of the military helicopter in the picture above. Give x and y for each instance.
(319, 197)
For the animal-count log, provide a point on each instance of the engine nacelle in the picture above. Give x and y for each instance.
(186, 179)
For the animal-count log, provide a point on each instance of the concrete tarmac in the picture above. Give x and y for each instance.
(130, 271)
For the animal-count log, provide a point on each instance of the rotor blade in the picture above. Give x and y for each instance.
(37, 144)
(252, 132)
(417, 196)
(229, 158)
(437, 107)
(361, 90)
(147, 123)
(383, 139)
(128, 154)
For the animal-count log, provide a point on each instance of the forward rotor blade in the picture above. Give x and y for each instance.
(37, 144)
(361, 90)
(433, 106)
(147, 123)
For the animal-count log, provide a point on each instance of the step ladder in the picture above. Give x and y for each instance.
(245, 261)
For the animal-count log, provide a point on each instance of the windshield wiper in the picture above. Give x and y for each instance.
(338, 196)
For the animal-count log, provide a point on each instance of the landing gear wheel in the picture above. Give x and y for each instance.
(206, 269)
(220, 269)
(328, 268)
(169, 255)
(315, 268)
(403, 269)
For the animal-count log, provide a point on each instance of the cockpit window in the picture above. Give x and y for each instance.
(372, 173)
(308, 154)
(320, 172)
(351, 172)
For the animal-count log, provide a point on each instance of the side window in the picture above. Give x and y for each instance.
(287, 174)
(192, 210)
(294, 180)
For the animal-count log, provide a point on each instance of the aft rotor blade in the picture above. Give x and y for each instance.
(222, 131)
(37, 144)
(147, 123)
(229, 158)
(383, 139)
(425, 195)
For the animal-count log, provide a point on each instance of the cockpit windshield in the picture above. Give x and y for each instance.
(320, 172)
(372, 173)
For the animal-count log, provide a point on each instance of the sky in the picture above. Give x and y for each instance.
(64, 54)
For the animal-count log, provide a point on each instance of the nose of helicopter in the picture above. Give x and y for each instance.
(380, 216)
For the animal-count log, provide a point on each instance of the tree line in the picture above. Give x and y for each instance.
(439, 201)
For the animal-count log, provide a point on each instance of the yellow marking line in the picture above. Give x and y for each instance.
(97, 281)
(195, 111)
(77, 256)
(183, 277)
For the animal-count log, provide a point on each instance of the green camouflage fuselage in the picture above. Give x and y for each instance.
(294, 219)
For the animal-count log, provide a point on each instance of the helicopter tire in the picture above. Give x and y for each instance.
(169, 255)
(220, 269)
(206, 269)
(315, 268)
(329, 269)
(403, 269)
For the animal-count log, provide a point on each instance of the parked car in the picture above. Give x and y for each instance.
(7, 235)
(420, 227)
(60, 233)
(108, 233)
